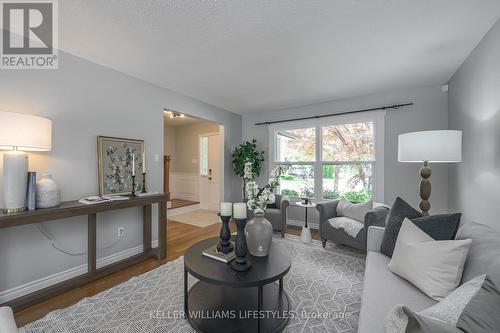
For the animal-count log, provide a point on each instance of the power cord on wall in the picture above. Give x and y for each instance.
(41, 227)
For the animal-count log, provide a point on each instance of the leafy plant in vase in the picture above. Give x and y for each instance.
(247, 152)
(259, 231)
(307, 193)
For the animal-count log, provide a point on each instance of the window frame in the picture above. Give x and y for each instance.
(378, 119)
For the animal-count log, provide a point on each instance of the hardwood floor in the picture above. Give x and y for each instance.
(180, 237)
(293, 230)
(177, 203)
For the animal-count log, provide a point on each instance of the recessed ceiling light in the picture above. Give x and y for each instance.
(173, 114)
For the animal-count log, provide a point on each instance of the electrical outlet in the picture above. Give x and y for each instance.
(121, 231)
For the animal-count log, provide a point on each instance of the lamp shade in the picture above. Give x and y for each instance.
(25, 132)
(432, 146)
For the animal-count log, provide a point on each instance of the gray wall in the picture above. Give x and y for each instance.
(85, 100)
(401, 179)
(186, 138)
(474, 107)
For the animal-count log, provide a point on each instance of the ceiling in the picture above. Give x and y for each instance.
(256, 55)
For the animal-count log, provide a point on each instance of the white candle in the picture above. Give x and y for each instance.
(226, 208)
(133, 164)
(240, 210)
(143, 163)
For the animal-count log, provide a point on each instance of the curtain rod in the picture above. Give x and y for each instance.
(395, 106)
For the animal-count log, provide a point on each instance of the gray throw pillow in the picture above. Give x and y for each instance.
(482, 313)
(399, 210)
(439, 227)
(483, 255)
(471, 308)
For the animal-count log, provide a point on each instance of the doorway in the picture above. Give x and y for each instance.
(210, 170)
(193, 168)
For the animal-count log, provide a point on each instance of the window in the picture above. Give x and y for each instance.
(352, 181)
(203, 155)
(298, 181)
(329, 158)
(297, 145)
(348, 159)
(296, 148)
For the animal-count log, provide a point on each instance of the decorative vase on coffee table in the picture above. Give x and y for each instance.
(47, 192)
(259, 235)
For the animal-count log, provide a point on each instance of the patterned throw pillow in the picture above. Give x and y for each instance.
(471, 308)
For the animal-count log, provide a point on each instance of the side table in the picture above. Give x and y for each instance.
(305, 235)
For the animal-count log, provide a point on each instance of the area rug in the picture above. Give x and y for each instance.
(200, 218)
(324, 286)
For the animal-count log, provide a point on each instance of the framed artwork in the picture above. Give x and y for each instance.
(116, 158)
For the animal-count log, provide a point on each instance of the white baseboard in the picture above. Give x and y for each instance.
(47, 281)
(297, 223)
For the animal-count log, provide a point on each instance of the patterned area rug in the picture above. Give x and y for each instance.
(324, 286)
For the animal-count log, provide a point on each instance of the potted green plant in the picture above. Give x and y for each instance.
(247, 152)
(307, 193)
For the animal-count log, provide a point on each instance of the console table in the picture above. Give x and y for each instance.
(74, 208)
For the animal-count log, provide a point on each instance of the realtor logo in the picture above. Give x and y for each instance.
(29, 34)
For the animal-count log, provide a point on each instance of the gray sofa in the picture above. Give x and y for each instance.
(328, 210)
(277, 216)
(383, 289)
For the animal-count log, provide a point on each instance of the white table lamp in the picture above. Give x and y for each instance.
(20, 133)
(442, 146)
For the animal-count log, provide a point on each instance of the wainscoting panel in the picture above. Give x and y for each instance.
(185, 186)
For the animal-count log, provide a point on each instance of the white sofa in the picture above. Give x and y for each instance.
(384, 289)
(7, 322)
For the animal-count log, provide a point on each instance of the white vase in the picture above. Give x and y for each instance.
(47, 192)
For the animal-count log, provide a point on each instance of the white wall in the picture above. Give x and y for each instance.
(475, 109)
(429, 112)
(186, 157)
(169, 137)
(85, 100)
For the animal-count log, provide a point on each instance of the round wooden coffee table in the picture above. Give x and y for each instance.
(227, 301)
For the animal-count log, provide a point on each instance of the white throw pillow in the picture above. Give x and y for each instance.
(354, 211)
(434, 267)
